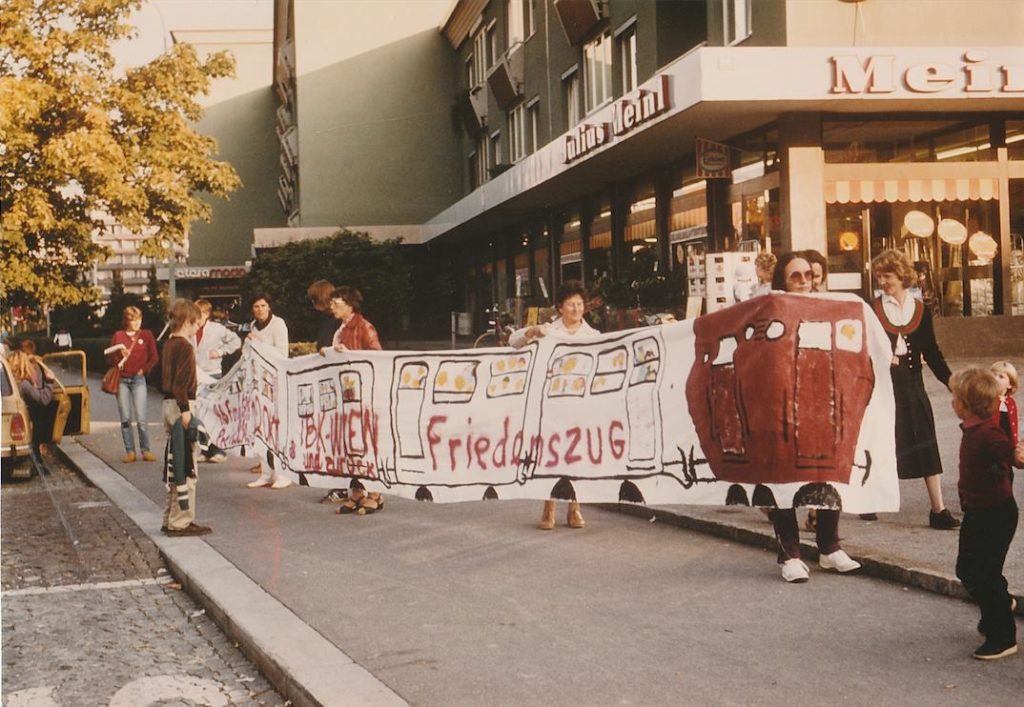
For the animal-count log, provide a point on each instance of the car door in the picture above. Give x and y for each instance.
(70, 369)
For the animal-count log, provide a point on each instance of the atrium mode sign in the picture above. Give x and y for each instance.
(626, 114)
(975, 74)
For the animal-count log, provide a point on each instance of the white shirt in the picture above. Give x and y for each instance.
(218, 340)
(274, 333)
(899, 315)
(556, 328)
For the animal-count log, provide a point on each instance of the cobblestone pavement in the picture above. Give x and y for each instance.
(92, 617)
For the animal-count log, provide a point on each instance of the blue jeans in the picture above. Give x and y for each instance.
(132, 396)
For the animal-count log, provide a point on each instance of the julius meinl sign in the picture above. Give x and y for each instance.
(627, 114)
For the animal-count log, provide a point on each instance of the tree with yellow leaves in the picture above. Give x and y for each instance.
(78, 142)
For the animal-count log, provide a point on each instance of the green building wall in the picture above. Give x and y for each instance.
(244, 128)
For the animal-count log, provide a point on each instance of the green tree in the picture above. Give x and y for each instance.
(378, 269)
(80, 141)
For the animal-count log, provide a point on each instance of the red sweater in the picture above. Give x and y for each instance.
(143, 356)
(986, 455)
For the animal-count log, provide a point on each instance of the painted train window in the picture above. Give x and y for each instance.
(455, 381)
(850, 335)
(508, 375)
(411, 390)
(611, 371)
(646, 361)
(328, 395)
(305, 391)
(568, 375)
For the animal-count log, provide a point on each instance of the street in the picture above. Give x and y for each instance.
(469, 604)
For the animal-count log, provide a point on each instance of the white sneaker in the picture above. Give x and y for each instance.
(795, 571)
(281, 483)
(217, 458)
(258, 483)
(839, 561)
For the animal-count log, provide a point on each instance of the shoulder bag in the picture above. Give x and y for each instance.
(112, 378)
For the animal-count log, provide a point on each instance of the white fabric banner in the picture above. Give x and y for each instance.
(784, 399)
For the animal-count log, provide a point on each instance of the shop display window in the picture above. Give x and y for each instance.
(1016, 245)
(953, 245)
(1015, 140)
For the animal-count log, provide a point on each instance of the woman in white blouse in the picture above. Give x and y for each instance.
(266, 327)
(570, 303)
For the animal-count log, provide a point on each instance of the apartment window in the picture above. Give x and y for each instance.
(493, 52)
(532, 125)
(519, 16)
(470, 73)
(482, 162)
(479, 63)
(571, 98)
(597, 71)
(517, 133)
(627, 58)
(474, 171)
(736, 20)
(494, 151)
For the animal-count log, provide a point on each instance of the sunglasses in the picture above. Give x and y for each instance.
(798, 276)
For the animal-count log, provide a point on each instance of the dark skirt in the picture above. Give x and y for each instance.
(917, 452)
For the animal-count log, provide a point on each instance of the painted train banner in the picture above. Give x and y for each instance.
(781, 400)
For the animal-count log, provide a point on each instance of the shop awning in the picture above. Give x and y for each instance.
(893, 190)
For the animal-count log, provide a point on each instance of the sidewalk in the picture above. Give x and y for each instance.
(226, 572)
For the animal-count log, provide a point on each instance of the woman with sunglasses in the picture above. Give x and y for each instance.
(793, 273)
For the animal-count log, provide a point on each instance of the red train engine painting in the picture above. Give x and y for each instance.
(779, 389)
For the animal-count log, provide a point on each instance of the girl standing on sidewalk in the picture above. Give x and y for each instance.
(136, 355)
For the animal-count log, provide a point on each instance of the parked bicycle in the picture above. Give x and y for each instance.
(500, 328)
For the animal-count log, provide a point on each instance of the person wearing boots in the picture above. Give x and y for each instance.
(570, 322)
(35, 383)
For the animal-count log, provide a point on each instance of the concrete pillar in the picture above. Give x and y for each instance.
(802, 182)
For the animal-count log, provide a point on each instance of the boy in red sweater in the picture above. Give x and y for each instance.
(990, 512)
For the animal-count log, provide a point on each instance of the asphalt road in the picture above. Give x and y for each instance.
(469, 604)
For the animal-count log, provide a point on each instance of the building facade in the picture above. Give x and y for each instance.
(594, 140)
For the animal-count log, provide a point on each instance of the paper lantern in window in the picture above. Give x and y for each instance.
(952, 231)
(919, 224)
(983, 245)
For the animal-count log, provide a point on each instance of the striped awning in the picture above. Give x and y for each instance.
(893, 190)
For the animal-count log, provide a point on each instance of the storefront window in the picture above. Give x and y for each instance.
(953, 245)
(541, 265)
(688, 219)
(1017, 246)
(600, 245)
(570, 251)
(1015, 139)
(848, 141)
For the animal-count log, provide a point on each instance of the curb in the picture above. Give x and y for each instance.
(927, 580)
(302, 665)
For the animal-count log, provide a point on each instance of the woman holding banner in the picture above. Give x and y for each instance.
(793, 273)
(570, 304)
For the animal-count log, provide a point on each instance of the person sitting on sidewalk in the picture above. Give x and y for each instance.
(990, 511)
(178, 380)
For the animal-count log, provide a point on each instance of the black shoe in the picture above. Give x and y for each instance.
(335, 496)
(992, 651)
(943, 520)
(869, 516)
(189, 530)
(981, 622)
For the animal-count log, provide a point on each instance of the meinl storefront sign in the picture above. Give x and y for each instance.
(974, 74)
(626, 115)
